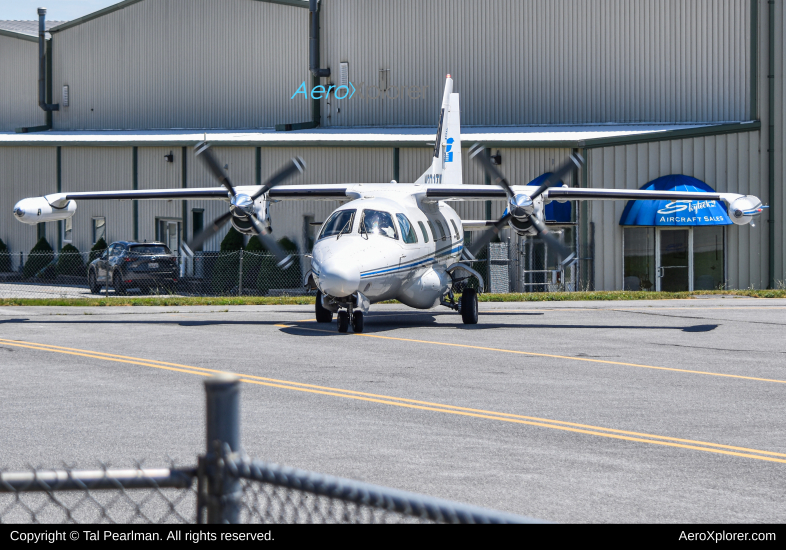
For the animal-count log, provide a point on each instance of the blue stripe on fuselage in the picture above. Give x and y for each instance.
(410, 265)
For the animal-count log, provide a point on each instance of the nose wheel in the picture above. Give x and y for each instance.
(346, 318)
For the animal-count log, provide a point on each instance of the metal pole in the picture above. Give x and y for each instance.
(240, 276)
(223, 434)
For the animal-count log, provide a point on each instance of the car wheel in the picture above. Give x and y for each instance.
(117, 283)
(92, 282)
(469, 306)
(324, 315)
(343, 321)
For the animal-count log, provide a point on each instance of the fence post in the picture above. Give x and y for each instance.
(221, 492)
(240, 277)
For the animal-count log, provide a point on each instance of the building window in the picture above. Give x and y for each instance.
(68, 230)
(197, 222)
(639, 258)
(99, 229)
(708, 264)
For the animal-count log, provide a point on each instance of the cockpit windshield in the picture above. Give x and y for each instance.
(339, 223)
(376, 222)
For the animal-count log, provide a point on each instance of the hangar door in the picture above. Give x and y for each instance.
(674, 246)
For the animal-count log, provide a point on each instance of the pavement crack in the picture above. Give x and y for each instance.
(708, 347)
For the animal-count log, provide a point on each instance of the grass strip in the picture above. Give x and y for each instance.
(305, 300)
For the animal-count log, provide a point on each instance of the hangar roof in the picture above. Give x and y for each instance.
(27, 28)
(596, 135)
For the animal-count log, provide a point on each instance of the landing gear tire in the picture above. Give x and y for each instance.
(469, 306)
(117, 283)
(357, 322)
(93, 283)
(323, 315)
(343, 321)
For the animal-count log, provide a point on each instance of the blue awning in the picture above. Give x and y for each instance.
(555, 212)
(675, 213)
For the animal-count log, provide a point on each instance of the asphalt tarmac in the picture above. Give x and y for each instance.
(663, 411)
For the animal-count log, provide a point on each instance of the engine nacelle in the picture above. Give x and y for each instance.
(259, 206)
(744, 209)
(37, 210)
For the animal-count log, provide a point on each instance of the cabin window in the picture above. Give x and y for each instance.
(376, 222)
(433, 233)
(408, 234)
(423, 230)
(455, 229)
(442, 230)
(340, 222)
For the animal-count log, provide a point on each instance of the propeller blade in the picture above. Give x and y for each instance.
(296, 165)
(573, 163)
(285, 260)
(203, 151)
(478, 152)
(545, 234)
(485, 238)
(209, 231)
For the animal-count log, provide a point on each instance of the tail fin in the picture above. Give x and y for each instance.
(446, 162)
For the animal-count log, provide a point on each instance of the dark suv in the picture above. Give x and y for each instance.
(125, 265)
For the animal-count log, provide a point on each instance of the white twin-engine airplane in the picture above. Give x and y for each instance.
(391, 240)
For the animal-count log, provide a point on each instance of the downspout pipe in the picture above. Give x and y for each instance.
(771, 140)
(313, 42)
(47, 107)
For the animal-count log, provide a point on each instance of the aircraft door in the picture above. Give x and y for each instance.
(673, 266)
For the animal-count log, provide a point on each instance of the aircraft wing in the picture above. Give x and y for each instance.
(311, 192)
(205, 193)
(492, 192)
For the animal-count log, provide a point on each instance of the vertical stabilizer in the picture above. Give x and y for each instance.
(446, 161)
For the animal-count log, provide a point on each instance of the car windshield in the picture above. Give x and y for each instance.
(376, 222)
(149, 249)
(340, 222)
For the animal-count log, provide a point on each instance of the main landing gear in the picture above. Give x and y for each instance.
(467, 305)
(345, 317)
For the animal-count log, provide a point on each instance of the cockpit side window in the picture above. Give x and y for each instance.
(441, 230)
(340, 222)
(455, 229)
(408, 234)
(423, 230)
(376, 222)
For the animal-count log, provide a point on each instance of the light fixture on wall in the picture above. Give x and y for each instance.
(496, 159)
(170, 157)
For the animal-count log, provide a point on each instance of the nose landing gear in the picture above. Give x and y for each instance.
(349, 317)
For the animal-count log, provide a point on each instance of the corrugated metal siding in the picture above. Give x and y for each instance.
(154, 172)
(534, 62)
(727, 163)
(92, 168)
(19, 84)
(184, 64)
(25, 172)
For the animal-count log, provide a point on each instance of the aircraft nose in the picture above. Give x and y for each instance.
(339, 277)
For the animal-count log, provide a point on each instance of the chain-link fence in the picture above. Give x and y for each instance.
(224, 487)
(81, 275)
(237, 273)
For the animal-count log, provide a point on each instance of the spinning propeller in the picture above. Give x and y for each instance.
(521, 208)
(241, 206)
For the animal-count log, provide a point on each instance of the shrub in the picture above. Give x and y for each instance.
(271, 276)
(225, 270)
(97, 250)
(5, 258)
(39, 258)
(69, 262)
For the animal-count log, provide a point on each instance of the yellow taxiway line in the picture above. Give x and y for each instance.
(423, 405)
(535, 354)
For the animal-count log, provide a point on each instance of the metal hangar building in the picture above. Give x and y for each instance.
(650, 92)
